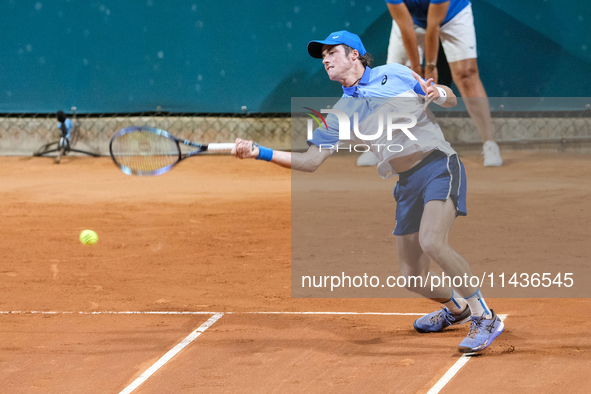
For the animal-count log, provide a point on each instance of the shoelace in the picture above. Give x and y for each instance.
(475, 327)
(445, 315)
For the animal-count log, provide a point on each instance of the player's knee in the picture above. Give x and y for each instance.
(432, 245)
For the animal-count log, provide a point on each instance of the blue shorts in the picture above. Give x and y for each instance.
(436, 177)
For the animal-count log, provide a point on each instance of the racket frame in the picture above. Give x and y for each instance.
(200, 148)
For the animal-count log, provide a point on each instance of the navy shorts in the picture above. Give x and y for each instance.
(436, 177)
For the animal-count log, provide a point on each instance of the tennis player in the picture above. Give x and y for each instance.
(65, 126)
(431, 190)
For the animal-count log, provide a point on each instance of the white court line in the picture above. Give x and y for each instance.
(107, 313)
(203, 313)
(449, 374)
(217, 315)
(337, 313)
(171, 353)
(454, 369)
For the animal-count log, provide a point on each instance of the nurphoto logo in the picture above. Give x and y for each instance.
(387, 122)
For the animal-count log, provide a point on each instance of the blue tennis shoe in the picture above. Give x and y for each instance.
(482, 333)
(439, 320)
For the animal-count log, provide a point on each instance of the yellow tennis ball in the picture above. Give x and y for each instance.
(88, 237)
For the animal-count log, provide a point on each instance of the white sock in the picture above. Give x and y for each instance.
(478, 306)
(455, 304)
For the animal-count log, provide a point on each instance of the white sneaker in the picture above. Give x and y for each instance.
(492, 154)
(367, 159)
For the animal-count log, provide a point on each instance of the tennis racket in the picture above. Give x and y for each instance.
(146, 151)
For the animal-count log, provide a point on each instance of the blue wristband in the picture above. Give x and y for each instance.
(265, 153)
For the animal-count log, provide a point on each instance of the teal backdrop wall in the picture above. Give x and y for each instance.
(215, 57)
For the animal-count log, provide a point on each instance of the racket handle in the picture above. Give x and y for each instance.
(225, 147)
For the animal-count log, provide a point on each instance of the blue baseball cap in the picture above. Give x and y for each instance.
(336, 38)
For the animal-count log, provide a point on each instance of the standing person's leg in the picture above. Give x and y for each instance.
(465, 76)
(458, 38)
(397, 52)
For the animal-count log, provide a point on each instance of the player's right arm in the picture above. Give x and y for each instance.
(307, 161)
(403, 19)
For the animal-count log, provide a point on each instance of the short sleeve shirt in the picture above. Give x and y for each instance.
(68, 124)
(385, 95)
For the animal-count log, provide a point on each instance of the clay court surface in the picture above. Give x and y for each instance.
(214, 236)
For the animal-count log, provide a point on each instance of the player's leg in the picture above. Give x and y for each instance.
(444, 197)
(60, 150)
(458, 39)
(436, 222)
(414, 262)
(437, 219)
(414, 266)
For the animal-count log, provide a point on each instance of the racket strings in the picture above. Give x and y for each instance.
(145, 152)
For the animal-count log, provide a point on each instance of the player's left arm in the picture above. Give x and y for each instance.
(435, 17)
(307, 161)
(439, 94)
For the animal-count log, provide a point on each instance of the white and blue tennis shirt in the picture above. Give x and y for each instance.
(69, 125)
(388, 92)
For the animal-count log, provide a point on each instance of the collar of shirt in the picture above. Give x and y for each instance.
(351, 90)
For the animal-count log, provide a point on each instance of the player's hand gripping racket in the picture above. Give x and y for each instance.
(146, 151)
